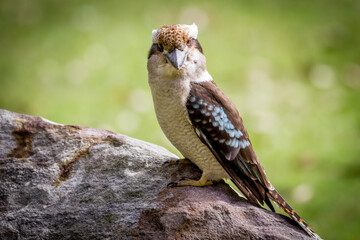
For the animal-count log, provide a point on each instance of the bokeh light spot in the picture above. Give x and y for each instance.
(322, 76)
(302, 193)
(128, 121)
(140, 100)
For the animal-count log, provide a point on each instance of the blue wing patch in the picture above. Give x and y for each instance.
(208, 116)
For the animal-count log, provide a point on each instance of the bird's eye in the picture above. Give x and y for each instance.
(161, 47)
(188, 42)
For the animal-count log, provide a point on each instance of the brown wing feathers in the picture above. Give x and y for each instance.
(220, 124)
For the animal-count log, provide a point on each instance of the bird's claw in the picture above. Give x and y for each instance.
(177, 161)
(171, 162)
(203, 181)
(175, 184)
(172, 184)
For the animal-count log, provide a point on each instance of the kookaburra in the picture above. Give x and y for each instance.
(202, 122)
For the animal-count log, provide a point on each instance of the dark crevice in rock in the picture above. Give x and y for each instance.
(24, 138)
(113, 141)
(66, 168)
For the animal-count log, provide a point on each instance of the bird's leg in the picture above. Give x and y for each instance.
(177, 161)
(203, 181)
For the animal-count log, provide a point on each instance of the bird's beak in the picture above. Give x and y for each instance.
(177, 57)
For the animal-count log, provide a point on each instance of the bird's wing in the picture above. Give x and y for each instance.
(219, 125)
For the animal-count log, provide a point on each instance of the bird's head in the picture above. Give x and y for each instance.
(175, 50)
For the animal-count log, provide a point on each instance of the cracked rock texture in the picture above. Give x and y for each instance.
(73, 182)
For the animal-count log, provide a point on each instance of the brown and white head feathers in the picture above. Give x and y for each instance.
(176, 35)
(182, 39)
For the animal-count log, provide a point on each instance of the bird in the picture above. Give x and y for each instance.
(202, 122)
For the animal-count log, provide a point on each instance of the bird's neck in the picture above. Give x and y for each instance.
(169, 88)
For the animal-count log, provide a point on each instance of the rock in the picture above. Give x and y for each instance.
(73, 182)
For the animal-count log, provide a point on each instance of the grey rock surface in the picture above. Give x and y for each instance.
(73, 182)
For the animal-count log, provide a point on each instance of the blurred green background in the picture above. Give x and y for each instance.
(291, 67)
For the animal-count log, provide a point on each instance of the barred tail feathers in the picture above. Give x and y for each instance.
(280, 201)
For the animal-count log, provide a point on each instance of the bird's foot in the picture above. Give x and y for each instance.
(177, 161)
(203, 181)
